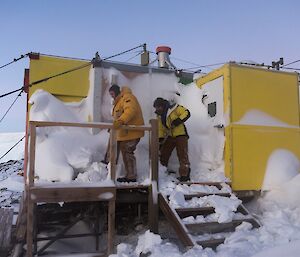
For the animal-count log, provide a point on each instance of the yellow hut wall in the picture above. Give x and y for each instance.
(248, 147)
(71, 87)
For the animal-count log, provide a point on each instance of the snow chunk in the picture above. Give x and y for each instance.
(147, 242)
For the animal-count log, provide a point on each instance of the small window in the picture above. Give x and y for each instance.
(212, 109)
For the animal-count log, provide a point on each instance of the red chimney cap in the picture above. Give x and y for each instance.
(163, 49)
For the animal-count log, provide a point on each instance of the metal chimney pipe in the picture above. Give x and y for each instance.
(163, 53)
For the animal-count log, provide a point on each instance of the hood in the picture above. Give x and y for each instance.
(125, 90)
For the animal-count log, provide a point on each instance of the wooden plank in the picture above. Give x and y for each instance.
(211, 243)
(153, 210)
(29, 230)
(71, 194)
(190, 196)
(215, 227)
(185, 212)
(123, 186)
(216, 184)
(176, 222)
(30, 178)
(154, 150)
(113, 154)
(111, 227)
(99, 125)
(96, 254)
(21, 220)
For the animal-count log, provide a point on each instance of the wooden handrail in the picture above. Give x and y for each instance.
(153, 147)
(100, 125)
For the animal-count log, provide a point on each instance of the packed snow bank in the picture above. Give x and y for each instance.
(282, 179)
(63, 152)
(281, 167)
(259, 118)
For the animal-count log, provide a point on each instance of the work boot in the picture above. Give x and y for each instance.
(104, 162)
(184, 178)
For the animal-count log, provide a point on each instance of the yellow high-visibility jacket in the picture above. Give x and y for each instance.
(128, 110)
(174, 113)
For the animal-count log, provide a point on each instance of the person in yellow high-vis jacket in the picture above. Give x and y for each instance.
(173, 134)
(127, 111)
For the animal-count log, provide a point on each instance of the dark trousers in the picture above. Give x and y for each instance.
(181, 145)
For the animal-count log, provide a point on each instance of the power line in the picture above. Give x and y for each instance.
(124, 52)
(11, 92)
(15, 60)
(289, 63)
(134, 56)
(12, 148)
(289, 68)
(11, 106)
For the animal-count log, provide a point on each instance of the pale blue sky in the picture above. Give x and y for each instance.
(202, 32)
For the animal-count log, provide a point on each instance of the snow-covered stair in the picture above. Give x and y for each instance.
(204, 213)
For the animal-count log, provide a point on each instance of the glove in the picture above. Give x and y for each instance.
(176, 122)
(117, 124)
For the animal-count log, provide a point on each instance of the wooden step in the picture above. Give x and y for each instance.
(216, 184)
(190, 196)
(173, 217)
(211, 243)
(216, 227)
(186, 212)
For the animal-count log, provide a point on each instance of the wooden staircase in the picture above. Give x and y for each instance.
(189, 233)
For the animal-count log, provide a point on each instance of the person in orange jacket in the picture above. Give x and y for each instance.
(127, 111)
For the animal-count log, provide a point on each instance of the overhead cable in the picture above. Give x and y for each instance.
(11, 92)
(11, 106)
(12, 148)
(124, 52)
(15, 60)
(290, 63)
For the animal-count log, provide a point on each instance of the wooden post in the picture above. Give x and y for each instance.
(154, 148)
(30, 182)
(111, 226)
(30, 178)
(153, 189)
(29, 229)
(113, 154)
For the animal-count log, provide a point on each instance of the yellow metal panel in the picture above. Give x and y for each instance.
(272, 92)
(69, 87)
(251, 149)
